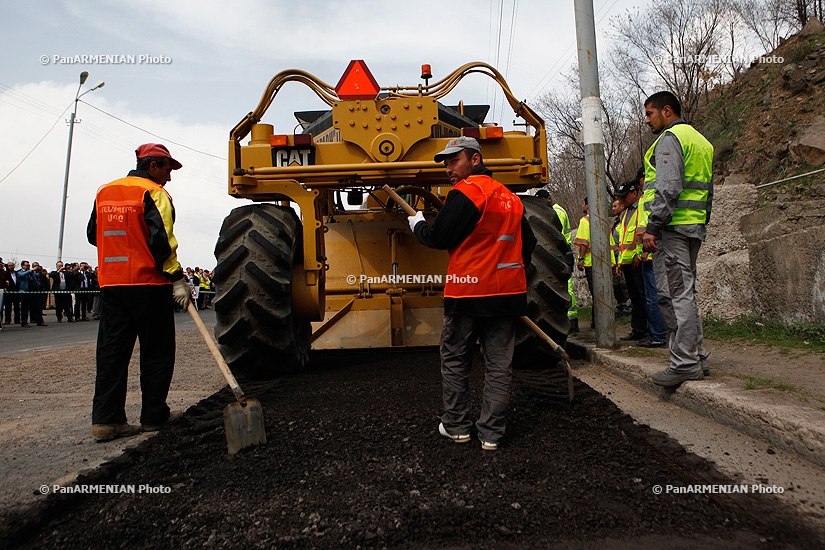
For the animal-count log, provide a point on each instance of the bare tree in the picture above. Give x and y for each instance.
(768, 20)
(562, 114)
(673, 44)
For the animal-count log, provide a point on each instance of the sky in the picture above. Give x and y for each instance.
(192, 70)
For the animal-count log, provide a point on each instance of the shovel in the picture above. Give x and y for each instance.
(527, 321)
(557, 349)
(243, 420)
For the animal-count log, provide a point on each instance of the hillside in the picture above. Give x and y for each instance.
(765, 252)
(768, 123)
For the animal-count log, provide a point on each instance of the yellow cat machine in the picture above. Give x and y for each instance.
(324, 259)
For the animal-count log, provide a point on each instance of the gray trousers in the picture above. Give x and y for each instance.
(674, 265)
(458, 338)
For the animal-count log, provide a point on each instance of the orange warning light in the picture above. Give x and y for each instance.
(357, 82)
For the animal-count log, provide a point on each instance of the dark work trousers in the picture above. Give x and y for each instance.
(458, 338)
(25, 304)
(634, 279)
(11, 303)
(134, 312)
(63, 305)
(82, 305)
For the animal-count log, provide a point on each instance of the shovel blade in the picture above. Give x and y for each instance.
(244, 425)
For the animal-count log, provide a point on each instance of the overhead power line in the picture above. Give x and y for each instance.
(153, 134)
(49, 131)
(564, 58)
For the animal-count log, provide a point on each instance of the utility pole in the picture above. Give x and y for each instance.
(597, 197)
(72, 121)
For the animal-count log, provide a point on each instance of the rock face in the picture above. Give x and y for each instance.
(769, 261)
(811, 143)
(813, 26)
(787, 251)
(724, 288)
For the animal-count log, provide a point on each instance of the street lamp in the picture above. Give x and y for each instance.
(83, 76)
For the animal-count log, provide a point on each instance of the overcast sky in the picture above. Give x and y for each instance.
(199, 67)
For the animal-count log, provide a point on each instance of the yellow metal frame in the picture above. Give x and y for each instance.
(374, 142)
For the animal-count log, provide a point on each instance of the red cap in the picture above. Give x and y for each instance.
(156, 150)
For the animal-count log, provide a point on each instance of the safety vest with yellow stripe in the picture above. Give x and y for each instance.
(583, 239)
(630, 244)
(691, 206)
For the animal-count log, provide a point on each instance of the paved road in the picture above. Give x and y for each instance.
(15, 340)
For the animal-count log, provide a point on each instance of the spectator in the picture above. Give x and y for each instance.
(27, 282)
(203, 289)
(82, 304)
(12, 301)
(95, 285)
(42, 285)
(4, 283)
(62, 300)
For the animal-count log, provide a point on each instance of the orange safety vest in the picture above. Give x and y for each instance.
(488, 262)
(123, 235)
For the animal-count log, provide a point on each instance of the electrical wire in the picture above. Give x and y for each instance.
(36, 144)
(153, 134)
(562, 59)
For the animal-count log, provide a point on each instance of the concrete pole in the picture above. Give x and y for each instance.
(66, 185)
(597, 197)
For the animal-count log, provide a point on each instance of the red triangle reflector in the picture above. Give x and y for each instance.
(357, 82)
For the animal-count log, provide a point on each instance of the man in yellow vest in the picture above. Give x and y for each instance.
(630, 260)
(567, 232)
(677, 197)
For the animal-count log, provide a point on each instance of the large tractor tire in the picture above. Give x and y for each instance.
(255, 327)
(550, 268)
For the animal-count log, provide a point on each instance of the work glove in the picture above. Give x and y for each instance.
(181, 293)
(419, 217)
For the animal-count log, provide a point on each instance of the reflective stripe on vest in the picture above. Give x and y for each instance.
(629, 243)
(488, 262)
(691, 206)
(565, 223)
(583, 239)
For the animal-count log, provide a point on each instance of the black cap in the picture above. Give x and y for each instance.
(626, 188)
(542, 194)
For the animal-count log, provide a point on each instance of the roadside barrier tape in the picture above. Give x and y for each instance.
(73, 292)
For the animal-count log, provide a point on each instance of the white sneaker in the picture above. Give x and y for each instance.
(487, 446)
(457, 438)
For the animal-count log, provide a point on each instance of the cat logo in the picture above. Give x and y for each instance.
(283, 157)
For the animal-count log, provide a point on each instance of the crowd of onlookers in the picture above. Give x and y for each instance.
(71, 290)
(200, 283)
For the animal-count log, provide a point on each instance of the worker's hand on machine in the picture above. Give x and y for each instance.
(419, 217)
(181, 293)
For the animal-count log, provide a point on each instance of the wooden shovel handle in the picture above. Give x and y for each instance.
(401, 202)
(213, 347)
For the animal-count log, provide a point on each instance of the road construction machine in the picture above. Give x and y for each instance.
(322, 258)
